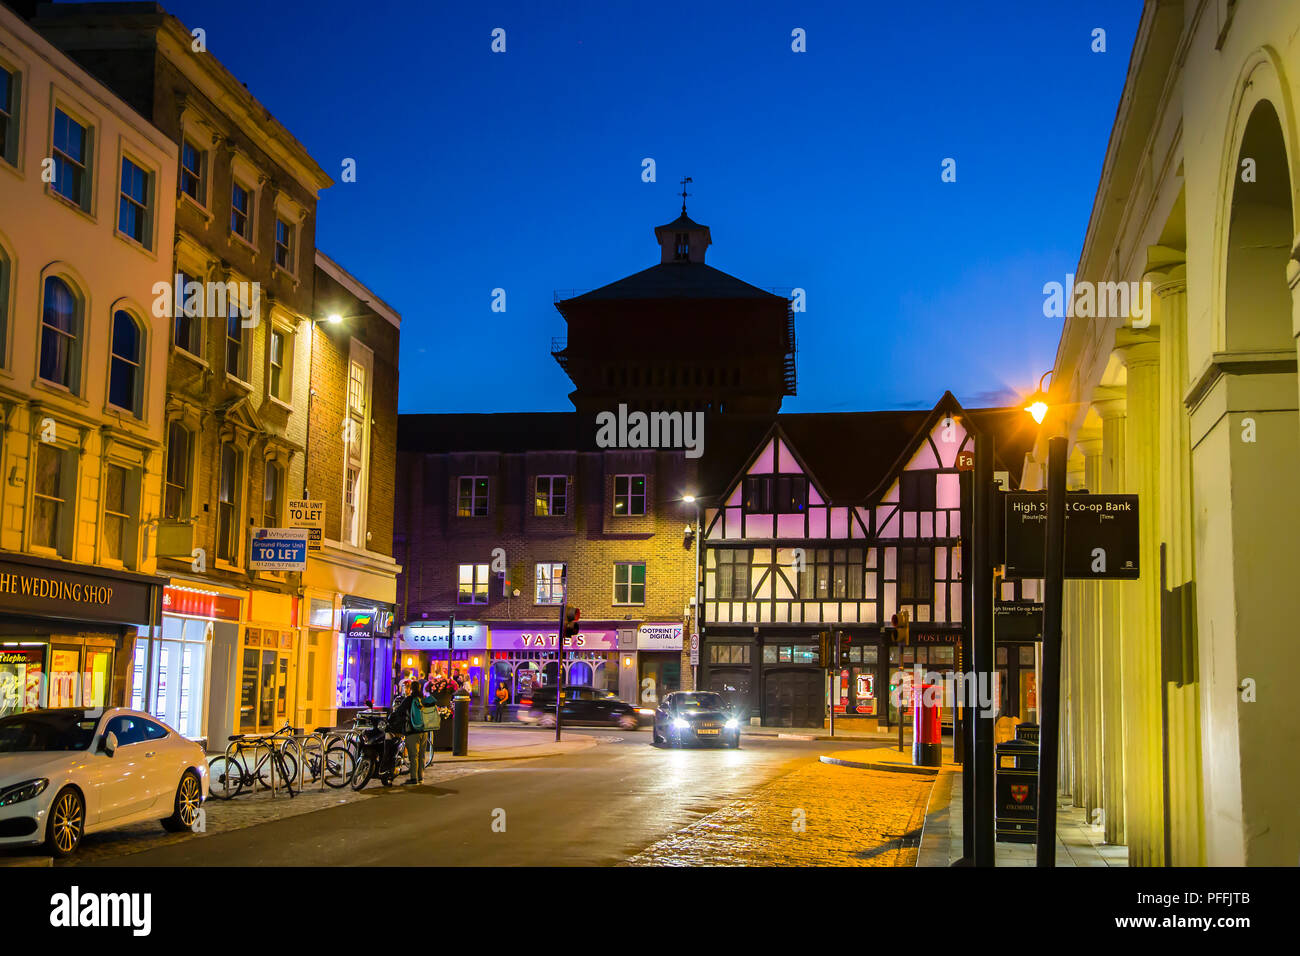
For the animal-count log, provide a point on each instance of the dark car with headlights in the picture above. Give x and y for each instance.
(581, 705)
(695, 717)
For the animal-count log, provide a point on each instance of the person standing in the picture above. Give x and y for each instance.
(422, 718)
(503, 697)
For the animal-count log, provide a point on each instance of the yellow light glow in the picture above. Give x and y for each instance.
(334, 318)
(1038, 410)
(627, 662)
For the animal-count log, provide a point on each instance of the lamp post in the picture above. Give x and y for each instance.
(697, 604)
(1049, 704)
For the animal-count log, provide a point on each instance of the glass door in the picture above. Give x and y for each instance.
(64, 668)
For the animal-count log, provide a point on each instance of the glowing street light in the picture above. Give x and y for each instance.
(1037, 405)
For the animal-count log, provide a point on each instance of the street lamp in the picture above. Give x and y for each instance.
(698, 599)
(1036, 405)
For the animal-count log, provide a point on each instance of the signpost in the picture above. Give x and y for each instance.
(308, 514)
(278, 549)
(1101, 535)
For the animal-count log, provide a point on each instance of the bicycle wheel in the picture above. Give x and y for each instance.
(286, 764)
(311, 753)
(428, 751)
(225, 777)
(339, 764)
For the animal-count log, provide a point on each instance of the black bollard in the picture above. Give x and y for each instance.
(460, 723)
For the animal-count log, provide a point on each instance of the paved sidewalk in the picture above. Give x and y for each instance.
(1077, 843)
(499, 743)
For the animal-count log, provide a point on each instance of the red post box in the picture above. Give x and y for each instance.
(927, 734)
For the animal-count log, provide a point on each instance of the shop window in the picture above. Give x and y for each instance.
(733, 573)
(125, 378)
(551, 497)
(472, 497)
(815, 578)
(22, 671)
(847, 573)
(229, 539)
(629, 495)
(176, 480)
(473, 587)
(629, 583)
(61, 324)
(550, 583)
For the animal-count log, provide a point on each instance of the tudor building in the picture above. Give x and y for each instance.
(833, 523)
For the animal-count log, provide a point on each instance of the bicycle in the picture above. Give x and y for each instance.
(231, 772)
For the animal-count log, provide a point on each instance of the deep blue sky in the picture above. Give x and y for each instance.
(819, 170)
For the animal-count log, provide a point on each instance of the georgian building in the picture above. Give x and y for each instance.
(86, 224)
(252, 357)
(1179, 725)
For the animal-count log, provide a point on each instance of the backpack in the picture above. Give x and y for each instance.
(399, 718)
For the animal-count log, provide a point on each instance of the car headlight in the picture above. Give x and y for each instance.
(650, 713)
(22, 791)
(681, 724)
(732, 724)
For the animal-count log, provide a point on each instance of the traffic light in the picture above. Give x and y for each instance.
(572, 617)
(845, 641)
(901, 622)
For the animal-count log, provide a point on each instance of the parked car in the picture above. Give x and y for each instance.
(70, 771)
(581, 705)
(695, 717)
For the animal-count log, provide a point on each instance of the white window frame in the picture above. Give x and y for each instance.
(474, 497)
(548, 581)
(85, 202)
(475, 583)
(146, 209)
(630, 496)
(551, 495)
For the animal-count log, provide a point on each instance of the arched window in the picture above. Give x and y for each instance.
(60, 334)
(176, 482)
(124, 374)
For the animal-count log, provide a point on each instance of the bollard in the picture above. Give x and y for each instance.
(460, 723)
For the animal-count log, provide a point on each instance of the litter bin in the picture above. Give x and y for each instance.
(1027, 732)
(1016, 813)
(460, 723)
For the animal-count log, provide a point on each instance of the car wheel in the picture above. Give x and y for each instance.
(189, 797)
(627, 722)
(67, 823)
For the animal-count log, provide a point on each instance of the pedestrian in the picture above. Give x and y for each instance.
(422, 717)
(503, 696)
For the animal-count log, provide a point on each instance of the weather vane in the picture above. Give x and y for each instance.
(685, 180)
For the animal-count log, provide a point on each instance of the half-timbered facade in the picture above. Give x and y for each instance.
(835, 523)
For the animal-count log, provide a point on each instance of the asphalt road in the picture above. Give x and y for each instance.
(597, 807)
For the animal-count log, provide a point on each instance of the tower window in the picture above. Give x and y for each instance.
(683, 246)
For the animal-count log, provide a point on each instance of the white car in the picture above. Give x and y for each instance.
(71, 771)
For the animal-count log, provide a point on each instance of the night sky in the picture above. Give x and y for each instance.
(818, 170)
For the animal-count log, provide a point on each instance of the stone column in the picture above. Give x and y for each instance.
(1090, 705)
(1180, 679)
(1143, 719)
(1072, 632)
(1109, 403)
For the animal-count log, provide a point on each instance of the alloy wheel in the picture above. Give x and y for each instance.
(66, 822)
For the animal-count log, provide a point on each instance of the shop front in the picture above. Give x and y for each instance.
(659, 661)
(424, 650)
(170, 670)
(856, 690)
(774, 675)
(67, 631)
(935, 652)
(525, 657)
(364, 663)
